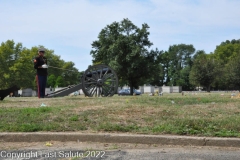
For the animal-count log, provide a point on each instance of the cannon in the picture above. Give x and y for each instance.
(98, 80)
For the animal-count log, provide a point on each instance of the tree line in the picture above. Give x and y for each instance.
(16, 67)
(126, 48)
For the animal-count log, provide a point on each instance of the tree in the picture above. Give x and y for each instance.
(124, 47)
(232, 74)
(51, 81)
(70, 74)
(11, 64)
(227, 50)
(177, 62)
(157, 78)
(226, 53)
(204, 71)
(198, 53)
(16, 63)
(22, 69)
(165, 62)
(59, 82)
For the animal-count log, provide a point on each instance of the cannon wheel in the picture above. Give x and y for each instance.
(99, 80)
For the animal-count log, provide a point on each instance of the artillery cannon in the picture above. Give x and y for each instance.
(98, 80)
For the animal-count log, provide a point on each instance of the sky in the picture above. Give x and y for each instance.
(70, 26)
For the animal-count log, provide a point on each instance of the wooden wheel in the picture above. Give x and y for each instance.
(99, 80)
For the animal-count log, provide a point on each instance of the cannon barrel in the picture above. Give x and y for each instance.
(104, 70)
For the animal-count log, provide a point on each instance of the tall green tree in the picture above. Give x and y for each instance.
(204, 71)
(124, 46)
(232, 73)
(157, 79)
(177, 62)
(10, 65)
(22, 69)
(227, 50)
(16, 63)
(165, 62)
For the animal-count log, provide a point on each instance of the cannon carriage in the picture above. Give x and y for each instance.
(98, 80)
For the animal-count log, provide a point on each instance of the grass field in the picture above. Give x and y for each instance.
(204, 114)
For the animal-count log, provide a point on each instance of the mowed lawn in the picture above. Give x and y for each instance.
(202, 114)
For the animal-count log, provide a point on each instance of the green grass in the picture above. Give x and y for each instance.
(202, 115)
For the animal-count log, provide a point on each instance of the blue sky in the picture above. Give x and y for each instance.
(70, 26)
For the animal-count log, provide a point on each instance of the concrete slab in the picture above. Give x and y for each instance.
(119, 138)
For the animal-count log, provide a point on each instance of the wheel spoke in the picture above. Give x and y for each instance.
(101, 70)
(90, 87)
(95, 92)
(99, 80)
(95, 76)
(110, 87)
(107, 76)
(106, 72)
(99, 91)
(106, 90)
(107, 85)
(92, 91)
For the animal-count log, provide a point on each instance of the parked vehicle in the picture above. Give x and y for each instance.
(124, 92)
